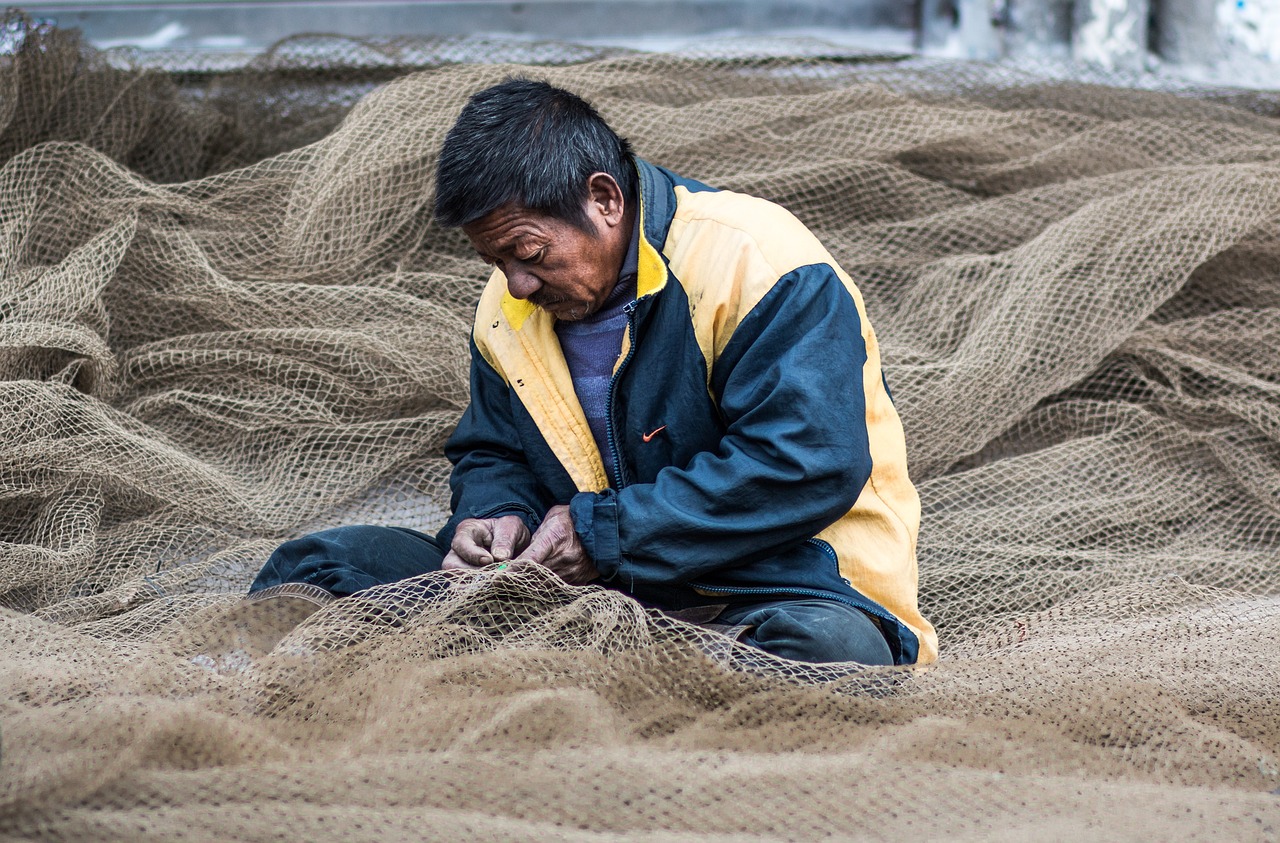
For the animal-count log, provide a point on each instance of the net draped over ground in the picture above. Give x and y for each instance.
(226, 319)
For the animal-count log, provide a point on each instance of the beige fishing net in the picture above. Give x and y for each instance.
(226, 320)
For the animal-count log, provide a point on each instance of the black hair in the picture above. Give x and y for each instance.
(529, 142)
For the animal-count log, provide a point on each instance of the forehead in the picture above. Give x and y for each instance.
(505, 226)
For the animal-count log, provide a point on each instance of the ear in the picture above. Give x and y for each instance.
(605, 200)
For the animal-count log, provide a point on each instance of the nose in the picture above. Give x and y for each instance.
(520, 282)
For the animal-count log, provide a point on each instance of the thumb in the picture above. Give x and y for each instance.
(471, 542)
(505, 533)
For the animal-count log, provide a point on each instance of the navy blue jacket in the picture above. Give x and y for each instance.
(758, 451)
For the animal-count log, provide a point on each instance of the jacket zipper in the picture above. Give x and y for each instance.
(630, 310)
(830, 551)
(827, 549)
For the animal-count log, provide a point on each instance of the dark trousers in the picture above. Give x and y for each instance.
(350, 559)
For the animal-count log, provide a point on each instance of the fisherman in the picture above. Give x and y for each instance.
(675, 393)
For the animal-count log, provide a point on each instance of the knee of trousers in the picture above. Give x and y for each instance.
(345, 560)
(820, 632)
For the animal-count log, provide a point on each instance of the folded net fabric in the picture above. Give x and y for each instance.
(226, 319)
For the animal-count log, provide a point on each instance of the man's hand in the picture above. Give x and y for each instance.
(556, 546)
(483, 541)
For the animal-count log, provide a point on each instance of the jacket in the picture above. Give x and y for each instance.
(758, 451)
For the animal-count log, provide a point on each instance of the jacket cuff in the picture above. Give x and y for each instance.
(530, 518)
(595, 520)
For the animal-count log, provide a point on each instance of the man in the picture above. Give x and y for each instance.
(675, 393)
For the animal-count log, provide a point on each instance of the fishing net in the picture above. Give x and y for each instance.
(226, 319)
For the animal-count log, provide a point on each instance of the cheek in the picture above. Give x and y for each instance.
(574, 278)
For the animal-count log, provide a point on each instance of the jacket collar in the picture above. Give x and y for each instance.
(657, 208)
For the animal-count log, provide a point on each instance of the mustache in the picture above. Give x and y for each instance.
(541, 299)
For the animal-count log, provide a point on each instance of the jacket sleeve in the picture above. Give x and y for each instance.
(794, 458)
(491, 476)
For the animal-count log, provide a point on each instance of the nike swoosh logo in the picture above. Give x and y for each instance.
(647, 436)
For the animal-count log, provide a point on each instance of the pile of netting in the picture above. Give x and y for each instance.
(226, 319)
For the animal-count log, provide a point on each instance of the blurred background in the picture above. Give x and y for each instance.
(1231, 42)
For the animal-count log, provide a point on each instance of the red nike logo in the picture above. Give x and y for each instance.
(647, 436)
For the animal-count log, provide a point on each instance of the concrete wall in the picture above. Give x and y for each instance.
(1122, 34)
(248, 25)
(1225, 38)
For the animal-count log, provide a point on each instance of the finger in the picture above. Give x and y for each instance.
(454, 562)
(506, 533)
(471, 543)
(539, 550)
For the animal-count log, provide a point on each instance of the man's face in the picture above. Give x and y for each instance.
(554, 264)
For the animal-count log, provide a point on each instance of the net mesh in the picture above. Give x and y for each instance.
(226, 319)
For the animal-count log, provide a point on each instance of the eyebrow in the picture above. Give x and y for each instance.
(511, 244)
